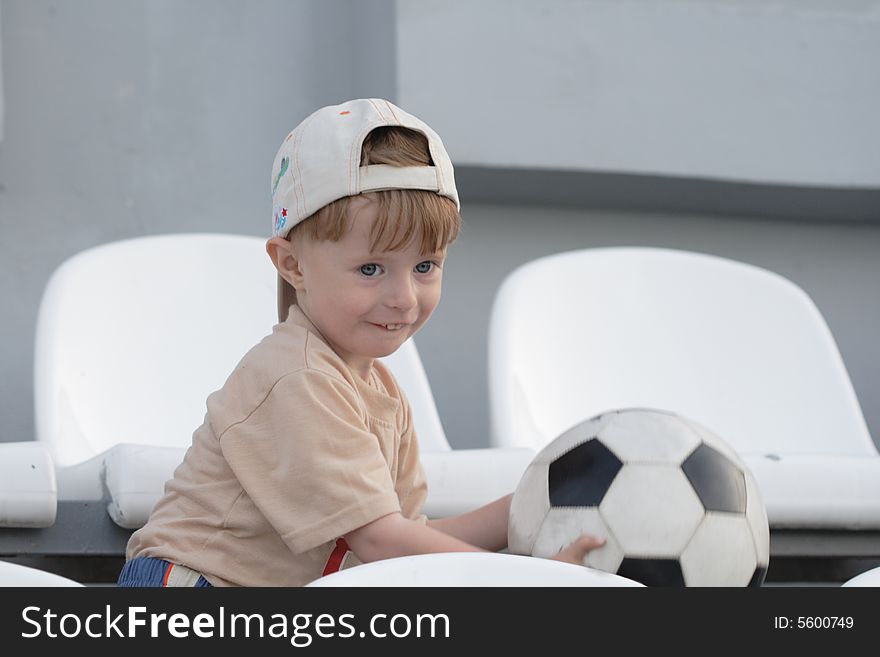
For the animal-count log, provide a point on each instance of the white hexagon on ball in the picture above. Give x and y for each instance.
(720, 534)
(565, 524)
(652, 436)
(651, 509)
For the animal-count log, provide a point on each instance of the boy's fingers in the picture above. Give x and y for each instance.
(587, 542)
(579, 548)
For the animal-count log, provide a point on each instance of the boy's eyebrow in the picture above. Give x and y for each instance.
(378, 254)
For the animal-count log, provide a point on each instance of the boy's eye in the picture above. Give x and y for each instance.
(371, 269)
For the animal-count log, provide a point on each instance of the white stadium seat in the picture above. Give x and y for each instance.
(868, 578)
(739, 349)
(471, 569)
(12, 574)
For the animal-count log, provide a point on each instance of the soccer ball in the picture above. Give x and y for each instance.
(674, 502)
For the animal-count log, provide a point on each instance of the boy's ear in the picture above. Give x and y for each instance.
(285, 260)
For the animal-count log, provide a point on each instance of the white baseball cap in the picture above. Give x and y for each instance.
(319, 161)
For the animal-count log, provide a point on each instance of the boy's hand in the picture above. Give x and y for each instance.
(576, 552)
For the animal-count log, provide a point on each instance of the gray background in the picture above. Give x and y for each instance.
(742, 129)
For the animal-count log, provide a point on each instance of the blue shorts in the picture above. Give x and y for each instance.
(152, 572)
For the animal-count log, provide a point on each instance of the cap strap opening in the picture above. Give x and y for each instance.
(385, 176)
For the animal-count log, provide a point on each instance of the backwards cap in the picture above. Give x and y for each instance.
(319, 161)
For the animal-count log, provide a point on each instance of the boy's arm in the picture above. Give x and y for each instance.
(485, 527)
(481, 530)
(395, 536)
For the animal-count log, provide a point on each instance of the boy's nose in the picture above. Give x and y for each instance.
(401, 294)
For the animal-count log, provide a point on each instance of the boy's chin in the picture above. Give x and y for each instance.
(381, 353)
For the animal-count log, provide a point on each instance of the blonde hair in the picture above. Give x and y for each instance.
(401, 213)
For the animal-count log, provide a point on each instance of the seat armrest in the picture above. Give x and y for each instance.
(799, 491)
(818, 491)
(28, 490)
(460, 480)
(135, 476)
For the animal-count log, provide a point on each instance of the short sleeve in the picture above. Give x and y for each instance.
(412, 485)
(308, 461)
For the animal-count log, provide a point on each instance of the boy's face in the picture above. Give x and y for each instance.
(351, 294)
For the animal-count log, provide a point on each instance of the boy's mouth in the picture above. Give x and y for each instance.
(391, 327)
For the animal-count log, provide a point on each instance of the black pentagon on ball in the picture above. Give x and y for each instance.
(652, 572)
(718, 482)
(582, 475)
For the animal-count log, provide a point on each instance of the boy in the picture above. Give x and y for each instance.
(307, 461)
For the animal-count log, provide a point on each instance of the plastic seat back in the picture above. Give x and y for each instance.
(735, 347)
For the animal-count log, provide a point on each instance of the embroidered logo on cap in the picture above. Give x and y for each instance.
(284, 162)
(280, 220)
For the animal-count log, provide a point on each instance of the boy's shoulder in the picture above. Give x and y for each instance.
(292, 349)
(289, 351)
(295, 350)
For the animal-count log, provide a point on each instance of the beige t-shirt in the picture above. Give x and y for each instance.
(296, 450)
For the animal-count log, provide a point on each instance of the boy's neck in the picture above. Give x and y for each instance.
(362, 371)
(364, 374)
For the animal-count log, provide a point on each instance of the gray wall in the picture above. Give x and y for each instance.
(136, 117)
(782, 91)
